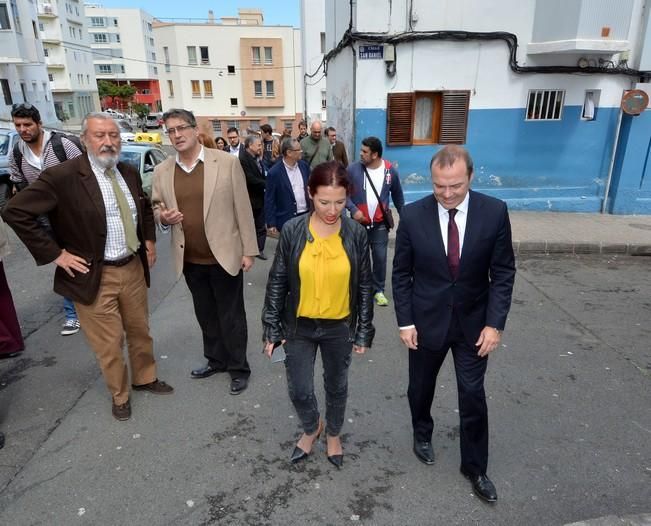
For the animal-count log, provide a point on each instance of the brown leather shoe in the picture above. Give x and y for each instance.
(155, 387)
(122, 411)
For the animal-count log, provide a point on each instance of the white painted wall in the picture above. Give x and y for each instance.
(313, 24)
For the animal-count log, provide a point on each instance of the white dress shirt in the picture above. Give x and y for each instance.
(188, 169)
(116, 239)
(460, 219)
(298, 186)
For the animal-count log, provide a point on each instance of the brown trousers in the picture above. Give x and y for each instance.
(120, 308)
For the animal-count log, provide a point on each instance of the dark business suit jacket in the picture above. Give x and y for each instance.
(69, 193)
(255, 179)
(279, 199)
(424, 292)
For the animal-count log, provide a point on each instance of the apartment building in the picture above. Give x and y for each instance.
(313, 47)
(232, 72)
(70, 70)
(124, 50)
(23, 72)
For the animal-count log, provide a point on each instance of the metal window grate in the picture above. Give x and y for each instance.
(545, 105)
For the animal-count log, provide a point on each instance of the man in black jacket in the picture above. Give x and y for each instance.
(251, 160)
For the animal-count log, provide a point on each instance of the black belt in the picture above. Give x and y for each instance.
(119, 262)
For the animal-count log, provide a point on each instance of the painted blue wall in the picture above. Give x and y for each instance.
(631, 183)
(547, 165)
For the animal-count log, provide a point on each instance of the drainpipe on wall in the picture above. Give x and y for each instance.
(354, 101)
(611, 166)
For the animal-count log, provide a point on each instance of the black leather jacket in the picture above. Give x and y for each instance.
(283, 286)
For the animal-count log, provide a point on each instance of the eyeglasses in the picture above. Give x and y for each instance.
(21, 106)
(295, 150)
(178, 129)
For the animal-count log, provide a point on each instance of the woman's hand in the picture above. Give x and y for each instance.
(269, 348)
(359, 349)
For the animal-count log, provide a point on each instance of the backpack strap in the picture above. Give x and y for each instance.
(57, 144)
(18, 157)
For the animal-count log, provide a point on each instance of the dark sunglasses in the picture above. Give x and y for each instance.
(21, 106)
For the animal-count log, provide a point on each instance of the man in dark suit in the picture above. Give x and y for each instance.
(453, 276)
(338, 148)
(256, 182)
(286, 193)
(103, 246)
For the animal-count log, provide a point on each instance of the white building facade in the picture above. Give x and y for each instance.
(531, 87)
(232, 72)
(313, 48)
(23, 72)
(67, 52)
(124, 50)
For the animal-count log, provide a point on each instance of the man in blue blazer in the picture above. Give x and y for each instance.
(286, 193)
(453, 275)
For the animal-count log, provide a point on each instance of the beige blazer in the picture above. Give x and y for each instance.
(227, 214)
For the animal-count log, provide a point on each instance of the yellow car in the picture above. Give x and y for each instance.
(154, 138)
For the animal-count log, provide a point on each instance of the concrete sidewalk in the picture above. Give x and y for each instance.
(559, 232)
(574, 233)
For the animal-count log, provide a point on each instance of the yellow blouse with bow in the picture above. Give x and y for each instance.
(324, 271)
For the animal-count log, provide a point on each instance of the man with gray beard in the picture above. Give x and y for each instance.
(103, 247)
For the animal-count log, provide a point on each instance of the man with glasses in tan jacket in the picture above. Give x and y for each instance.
(200, 194)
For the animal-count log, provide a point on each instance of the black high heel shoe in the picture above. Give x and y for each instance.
(298, 454)
(336, 460)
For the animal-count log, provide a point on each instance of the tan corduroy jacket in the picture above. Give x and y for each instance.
(228, 218)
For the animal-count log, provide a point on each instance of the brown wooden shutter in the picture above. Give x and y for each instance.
(454, 117)
(400, 119)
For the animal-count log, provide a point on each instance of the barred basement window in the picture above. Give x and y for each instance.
(427, 117)
(545, 105)
(217, 127)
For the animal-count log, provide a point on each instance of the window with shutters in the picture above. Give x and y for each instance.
(427, 117)
(196, 88)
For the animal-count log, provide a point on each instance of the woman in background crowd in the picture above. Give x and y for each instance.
(221, 143)
(207, 140)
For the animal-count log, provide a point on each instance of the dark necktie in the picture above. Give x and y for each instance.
(453, 245)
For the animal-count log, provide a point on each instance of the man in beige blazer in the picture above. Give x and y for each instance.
(200, 194)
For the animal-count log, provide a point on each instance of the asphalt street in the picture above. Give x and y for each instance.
(570, 414)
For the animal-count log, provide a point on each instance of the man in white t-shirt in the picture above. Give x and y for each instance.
(364, 207)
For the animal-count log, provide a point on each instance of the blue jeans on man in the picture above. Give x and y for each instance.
(378, 238)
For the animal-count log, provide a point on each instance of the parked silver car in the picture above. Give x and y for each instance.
(144, 157)
(7, 140)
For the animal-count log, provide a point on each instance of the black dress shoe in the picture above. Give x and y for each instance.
(262, 256)
(238, 385)
(424, 452)
(205, 371)
(297, 455)
(2, 440)
(336, 460)
(482, 486)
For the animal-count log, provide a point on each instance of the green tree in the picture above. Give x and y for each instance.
(141, 110)
(110, 93)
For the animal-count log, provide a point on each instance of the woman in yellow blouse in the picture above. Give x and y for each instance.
(319, 297)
